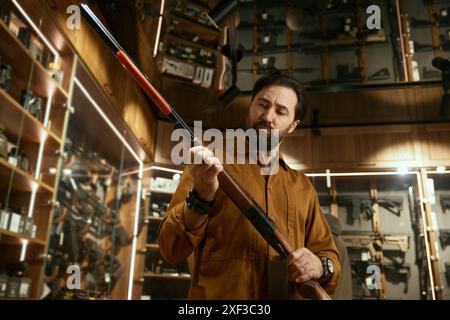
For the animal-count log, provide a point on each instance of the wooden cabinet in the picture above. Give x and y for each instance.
(435, 144)
(296, 149)
(366, 147)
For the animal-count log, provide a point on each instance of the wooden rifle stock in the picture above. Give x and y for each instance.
(242, 200)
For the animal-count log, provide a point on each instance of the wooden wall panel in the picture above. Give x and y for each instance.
(297, 149)
(334, 148)
(381, 106)
(351, 148)
(428, 102)
(435, 144)
(366, 147)
(163, 143)
(364, 106)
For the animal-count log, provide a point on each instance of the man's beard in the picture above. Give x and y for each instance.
(272, 137)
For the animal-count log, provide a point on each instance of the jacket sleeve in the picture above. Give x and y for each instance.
(175, 242)
(319, 240)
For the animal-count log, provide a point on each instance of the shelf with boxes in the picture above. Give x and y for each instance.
(190, 50)
(36, 67)
(158, 279)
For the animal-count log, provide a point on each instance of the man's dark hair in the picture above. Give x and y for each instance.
(285, 81)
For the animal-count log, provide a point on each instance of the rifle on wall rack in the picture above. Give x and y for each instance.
(246, 204)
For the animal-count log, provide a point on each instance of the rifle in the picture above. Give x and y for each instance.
(363, 205)
(430, 73)
(394, 272)
(243, 201)
(344, 73)
(444, 19)
(419, 47)
(445, 43)
(418, 23)
(375, 242)
(444, 237)
(381, 74)
(445, 203)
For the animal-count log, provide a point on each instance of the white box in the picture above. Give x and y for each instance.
(14, 222)
(4, 219)
(207, 78)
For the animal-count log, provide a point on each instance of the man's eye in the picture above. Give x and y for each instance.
(281, 112)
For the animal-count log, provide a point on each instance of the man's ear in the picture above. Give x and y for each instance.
(294, 125)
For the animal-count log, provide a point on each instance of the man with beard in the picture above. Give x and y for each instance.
(231, 260)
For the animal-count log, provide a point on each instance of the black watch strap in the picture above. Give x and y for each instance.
(197, 204)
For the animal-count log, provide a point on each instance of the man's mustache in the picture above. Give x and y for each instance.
(263, 125)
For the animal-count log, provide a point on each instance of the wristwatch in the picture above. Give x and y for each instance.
(328, 269)
(197, 204)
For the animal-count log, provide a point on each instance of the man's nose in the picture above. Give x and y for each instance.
(269, 115)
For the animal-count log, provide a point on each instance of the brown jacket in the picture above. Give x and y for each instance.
(231, 258)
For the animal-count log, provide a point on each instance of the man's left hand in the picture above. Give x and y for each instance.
(304, 265)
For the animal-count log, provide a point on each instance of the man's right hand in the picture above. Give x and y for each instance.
(205, 172)
(206, 183)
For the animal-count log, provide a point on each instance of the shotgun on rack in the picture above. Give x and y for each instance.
(248, 206)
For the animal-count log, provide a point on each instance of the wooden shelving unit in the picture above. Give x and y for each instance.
(160, 192)
(9, 237)
(148, 280)
(12, 48)
(22, 181)
(204, 28)
(191, 43)
(180, 27)
(33, 130)
(30, 191)
(154, 218)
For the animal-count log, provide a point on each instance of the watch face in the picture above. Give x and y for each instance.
(330, 266)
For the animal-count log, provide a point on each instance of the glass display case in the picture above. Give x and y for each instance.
(439, 182)
(381, 219)
(99, 212)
